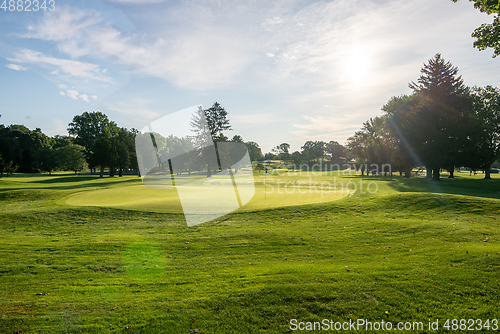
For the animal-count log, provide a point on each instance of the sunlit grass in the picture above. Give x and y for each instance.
(416, 255)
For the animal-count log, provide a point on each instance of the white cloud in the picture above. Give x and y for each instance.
(70, 67)
(320, 127)
(73, 94)
(272, 22)
(207, 56)
(63, 24)
(195, 60)
(16, 67)
(73, 48)
(209, 44)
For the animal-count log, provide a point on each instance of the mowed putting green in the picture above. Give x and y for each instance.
(269, 193)
(138, 197)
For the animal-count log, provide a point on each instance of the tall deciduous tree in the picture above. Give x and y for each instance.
(7, 167)
(71, 157)
(486, 147)
(254, 150)
(488, 34)
(125, 147)
(60, 141)
(373, 145)
(335, 150)
(282, 151)
(94, 131)
(313, 150)
(45, 159)
(18, 145)
(401, 124)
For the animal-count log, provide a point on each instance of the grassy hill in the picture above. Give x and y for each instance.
(73, 260)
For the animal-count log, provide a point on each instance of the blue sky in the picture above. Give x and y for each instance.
(286, 71)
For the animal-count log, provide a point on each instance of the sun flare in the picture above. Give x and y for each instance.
(355, 66)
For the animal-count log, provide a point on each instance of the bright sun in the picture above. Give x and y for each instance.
(355, 66)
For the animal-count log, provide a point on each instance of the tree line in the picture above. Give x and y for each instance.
(443, 124)
(105, 144)
(194, 152)
(96, 142)
(310, 153)
(27, 151)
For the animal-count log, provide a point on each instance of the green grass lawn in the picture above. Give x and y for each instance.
(84, 254)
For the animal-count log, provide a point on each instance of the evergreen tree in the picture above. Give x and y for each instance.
(217, 122)
(436, 120)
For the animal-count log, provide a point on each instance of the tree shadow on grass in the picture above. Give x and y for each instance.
(456, 186)
(68, 182)
(64, 179)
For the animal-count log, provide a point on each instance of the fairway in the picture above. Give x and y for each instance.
(92, 255)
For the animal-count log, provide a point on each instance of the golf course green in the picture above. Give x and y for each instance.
(83, 254)
(271, 191)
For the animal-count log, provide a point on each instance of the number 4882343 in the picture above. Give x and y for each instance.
(27, 5)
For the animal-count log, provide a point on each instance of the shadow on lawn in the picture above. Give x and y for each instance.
(457, 186)
(70, 181)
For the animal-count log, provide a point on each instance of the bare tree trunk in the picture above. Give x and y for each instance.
(428, 172)
(487, 173)
(435, 174)
(451, 171)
